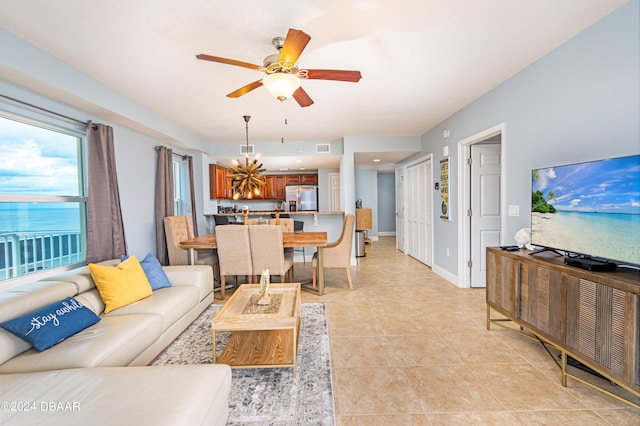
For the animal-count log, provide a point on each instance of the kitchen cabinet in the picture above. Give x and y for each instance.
(302, 179)
(219, 183)
(593, 317)
(221, 188)
(275, 188)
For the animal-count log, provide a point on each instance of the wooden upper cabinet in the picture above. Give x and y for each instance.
(279, 187)
(305, 179)
(275, 187)
(218, 182)
(220, 187)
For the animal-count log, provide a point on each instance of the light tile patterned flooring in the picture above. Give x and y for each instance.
(410, 348)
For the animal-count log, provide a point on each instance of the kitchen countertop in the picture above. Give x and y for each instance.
(269, 212)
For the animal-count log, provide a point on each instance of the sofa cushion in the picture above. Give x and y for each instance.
(163, 395)
(81, 277)
(122, 284)
(200, 276)
(11, 345)
(169, 303)
(114, 341)
(153, 270)
(52, 324)
(92, 300)
(20, 300)
(29, 297)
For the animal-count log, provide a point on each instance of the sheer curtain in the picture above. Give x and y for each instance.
(105, 229)
(164, 199)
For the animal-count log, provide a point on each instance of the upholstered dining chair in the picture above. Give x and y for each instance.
(338, 253)
(267, 250)
(234, 253)
(257, 221)
(180, 228)
(286, 224)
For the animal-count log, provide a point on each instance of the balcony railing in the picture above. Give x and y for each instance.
(25, 253)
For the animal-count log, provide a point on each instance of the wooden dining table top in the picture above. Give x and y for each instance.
(289, 239)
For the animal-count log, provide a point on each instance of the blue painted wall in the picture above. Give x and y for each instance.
(579, 102)
(386, 203)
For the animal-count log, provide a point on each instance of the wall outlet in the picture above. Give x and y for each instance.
(514, 210)
(448, 253)
(315, 220)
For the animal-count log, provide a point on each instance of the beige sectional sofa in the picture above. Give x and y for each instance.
(99, 375)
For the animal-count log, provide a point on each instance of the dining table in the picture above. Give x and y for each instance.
(289, 240)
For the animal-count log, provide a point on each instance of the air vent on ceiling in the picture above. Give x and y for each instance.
(247, 149)
(323, 148)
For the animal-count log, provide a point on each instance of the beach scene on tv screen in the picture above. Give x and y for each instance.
(590, 208)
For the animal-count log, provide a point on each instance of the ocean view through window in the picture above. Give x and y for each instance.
(42, 196)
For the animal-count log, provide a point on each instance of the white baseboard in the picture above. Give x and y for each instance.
(453, 279)
(386, 234)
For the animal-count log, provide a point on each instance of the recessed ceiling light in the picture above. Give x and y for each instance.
(283, 169)
(298, 161)
(303, 168)
(376, 160)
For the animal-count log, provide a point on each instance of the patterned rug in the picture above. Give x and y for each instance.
(269, 396)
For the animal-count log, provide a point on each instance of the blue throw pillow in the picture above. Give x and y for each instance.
(52, 324)
(153, 270)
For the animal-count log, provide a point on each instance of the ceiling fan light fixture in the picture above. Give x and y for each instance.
(281, 85)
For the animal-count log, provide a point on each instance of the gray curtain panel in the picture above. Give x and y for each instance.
(105, 229)
(164, 199)
(194, 216)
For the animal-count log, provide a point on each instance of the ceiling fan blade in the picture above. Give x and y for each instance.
(338, 75)
(302, 97)
(228, 61)
(245, 89)
(294, 44)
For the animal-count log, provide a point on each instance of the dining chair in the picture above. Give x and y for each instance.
(267, 251)
(180, 228)
(338, 253)
(258, 221)
(286, 224)
(234, 253)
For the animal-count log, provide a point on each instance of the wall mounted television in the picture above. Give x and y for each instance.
(588, 210)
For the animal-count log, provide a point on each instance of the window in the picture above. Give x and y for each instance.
(181, 186)
(42, 196)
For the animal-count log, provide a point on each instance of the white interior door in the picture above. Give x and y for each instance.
(334, 192)
(400, 209)
(485, 207)
(419, 203)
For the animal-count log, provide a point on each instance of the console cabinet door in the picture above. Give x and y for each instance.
(603, 327)
(503, 275)
(542, 301)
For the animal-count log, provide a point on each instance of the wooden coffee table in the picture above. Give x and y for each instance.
(263, 335)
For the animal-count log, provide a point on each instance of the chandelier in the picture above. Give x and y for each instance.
(247, 179)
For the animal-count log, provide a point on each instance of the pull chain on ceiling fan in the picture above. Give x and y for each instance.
(283, 76)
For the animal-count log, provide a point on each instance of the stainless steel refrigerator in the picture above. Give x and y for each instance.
(305, 197)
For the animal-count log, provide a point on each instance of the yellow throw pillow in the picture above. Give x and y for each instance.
(120, 285)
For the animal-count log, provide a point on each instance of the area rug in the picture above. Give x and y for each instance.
(269, 396)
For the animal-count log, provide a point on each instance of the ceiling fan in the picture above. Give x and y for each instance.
(283, 75)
